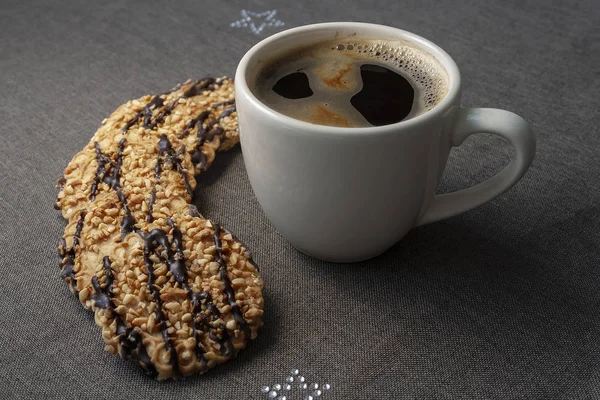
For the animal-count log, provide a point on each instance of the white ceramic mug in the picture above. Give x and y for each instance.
(348, 194)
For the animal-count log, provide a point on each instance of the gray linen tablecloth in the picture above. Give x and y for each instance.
(502, 302)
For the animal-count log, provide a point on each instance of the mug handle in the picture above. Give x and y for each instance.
(489, 120)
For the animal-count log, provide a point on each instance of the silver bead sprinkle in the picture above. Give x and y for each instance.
(303, 386)
(287, 386)
(282, 398)
(317, 393)
(272, 394)
(277, 387)
(314, 386)
(301, 379)
(289, 379)
(265, 389)
(308, 398)
(327, 386)
(295, 372)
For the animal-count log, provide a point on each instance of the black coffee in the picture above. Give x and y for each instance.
(352, 83)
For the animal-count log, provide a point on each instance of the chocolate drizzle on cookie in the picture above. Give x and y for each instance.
(165, 149)
(103, 297)
(176, 263)
(152, 241)
(166, 152)
(198, 120)
(68, 262)
(208, 132)
(196, 89)
(202, 305)
(177, 259)
(198, 157)
(226, 112)
(178, 270)
(132, 347)
(145, 112)
(157, 102)
(112, 177)
(213, 129)
(101, 161)
(152, 199)
(227, 288)
(202, 85)
(199, 321)
(198, 299)
(60, 185)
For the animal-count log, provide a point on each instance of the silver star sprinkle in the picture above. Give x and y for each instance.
(293, 392)
(257, 22)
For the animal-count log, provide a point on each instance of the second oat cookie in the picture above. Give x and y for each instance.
(172, 291)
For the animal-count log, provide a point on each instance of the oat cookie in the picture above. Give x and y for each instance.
(171, 290)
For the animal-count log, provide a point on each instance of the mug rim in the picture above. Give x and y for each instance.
(241, 84)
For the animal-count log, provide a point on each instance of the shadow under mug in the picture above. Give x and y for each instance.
(348, 194)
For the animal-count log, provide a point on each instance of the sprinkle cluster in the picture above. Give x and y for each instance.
(295, 387)
(257, 22)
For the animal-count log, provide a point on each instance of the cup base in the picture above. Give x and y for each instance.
(342, 258)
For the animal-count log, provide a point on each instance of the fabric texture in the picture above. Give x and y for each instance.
(501, 302)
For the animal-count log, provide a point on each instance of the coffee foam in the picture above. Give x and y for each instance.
(422, 70)
(326, 65)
